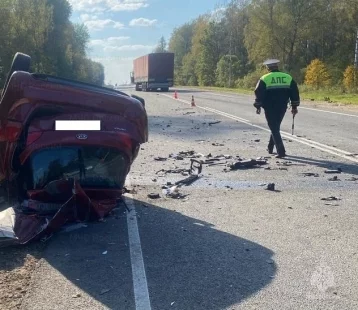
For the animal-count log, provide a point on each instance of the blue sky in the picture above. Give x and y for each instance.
(122, 30)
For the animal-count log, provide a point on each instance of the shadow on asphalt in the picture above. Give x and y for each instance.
(187, 261)
(12, 257)
(326, 164)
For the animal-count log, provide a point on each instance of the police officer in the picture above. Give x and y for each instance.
(273, 92)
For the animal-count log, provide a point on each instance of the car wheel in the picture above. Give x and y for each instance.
(21, 62)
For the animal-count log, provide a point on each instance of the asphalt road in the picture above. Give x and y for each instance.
(230, 244)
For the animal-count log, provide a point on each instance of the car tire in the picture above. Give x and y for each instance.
(21, 62)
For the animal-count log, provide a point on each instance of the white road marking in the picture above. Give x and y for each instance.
(140, 285)
(301, 107)
(311, 143)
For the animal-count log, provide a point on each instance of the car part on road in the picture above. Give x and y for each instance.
(270, 187)
(330, 198)
(213, 123)
(249, 163)
(153, 196)
(160, 158)
(310, 174)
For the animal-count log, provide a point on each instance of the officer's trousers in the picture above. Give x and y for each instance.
(274, 117)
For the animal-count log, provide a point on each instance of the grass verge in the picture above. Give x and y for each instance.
(329, 96)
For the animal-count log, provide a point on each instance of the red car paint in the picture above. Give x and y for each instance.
(28, 111)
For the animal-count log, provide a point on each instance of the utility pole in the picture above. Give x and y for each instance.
(356, 61)
(356, 53)
(230, 61)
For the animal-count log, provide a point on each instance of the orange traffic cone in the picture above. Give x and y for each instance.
(193, 101)
(175, 95)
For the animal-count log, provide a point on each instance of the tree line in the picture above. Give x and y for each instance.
(314, 40)
(43, 30)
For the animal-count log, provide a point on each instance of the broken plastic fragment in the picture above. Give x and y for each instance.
(153, 196)
(271, 187)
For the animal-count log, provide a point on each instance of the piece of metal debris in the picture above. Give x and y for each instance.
(270, 187)
(153, 196)
(310, 174)
(352, 179)
(331, 198)
(160, 158)
(217, 144)
(76, 295)
(335, 178)
(249, 163)
(213, 123)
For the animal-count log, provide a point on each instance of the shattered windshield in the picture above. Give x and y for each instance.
(96, 167)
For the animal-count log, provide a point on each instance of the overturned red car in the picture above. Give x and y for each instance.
(66, 148)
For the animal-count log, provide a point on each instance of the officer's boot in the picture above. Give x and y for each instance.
(280, 148)
(270, 145)
(281, 152)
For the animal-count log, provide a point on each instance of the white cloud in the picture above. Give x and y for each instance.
(99, 24)
(108, 5)
(111, 41)
(143, 22)
(129, 48)
(87, 17)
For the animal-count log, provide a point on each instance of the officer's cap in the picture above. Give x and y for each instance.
(271, 62)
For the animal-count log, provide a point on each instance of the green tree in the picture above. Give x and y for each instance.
(227, 71)
(211, 52)
(162, 46)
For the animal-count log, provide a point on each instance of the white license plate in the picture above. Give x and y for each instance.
(78, 125)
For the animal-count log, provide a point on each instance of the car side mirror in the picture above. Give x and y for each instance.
(139, 99)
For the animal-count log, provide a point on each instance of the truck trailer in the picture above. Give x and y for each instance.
(153, 71)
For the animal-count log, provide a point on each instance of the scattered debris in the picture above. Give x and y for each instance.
(186, 154)
(285, 163)
(249, 163)
(310, 174)
(352, 179)
(213, 123)
(218, 144)
(331, 198)
(270, 187)
(335, 178)
(333, 171)
(257, 140)
(153, 196)
(104, 291)
(76, 295)
(160, 158)
(186, 113)
(177, 171)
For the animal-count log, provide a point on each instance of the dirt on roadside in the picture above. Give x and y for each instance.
(17, 265)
